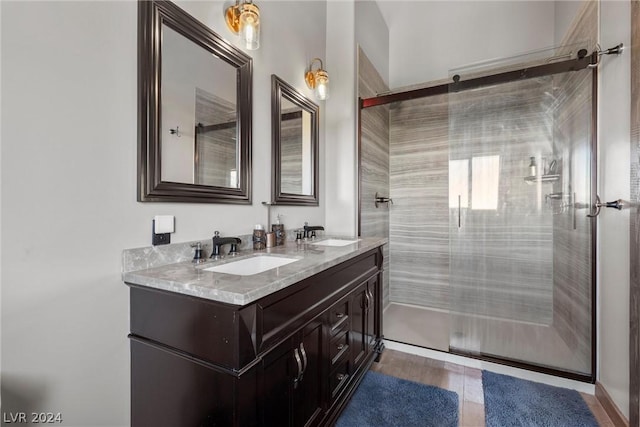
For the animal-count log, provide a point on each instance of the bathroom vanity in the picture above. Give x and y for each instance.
(284, 347)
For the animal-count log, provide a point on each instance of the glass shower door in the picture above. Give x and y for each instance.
(520, 161)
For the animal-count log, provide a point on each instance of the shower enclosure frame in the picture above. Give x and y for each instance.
(581, 62)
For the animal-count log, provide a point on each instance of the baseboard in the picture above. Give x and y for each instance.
(617, 418)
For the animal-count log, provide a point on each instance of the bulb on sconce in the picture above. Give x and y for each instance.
(318, 80)
(322, 85)
(250, 26)
(244, 19)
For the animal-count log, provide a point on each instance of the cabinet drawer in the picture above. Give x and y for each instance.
(339, 377)
(338, 347)
(339, 316)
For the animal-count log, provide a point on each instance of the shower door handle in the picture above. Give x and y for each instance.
(459, 209)
(597, 205)
(616, 204)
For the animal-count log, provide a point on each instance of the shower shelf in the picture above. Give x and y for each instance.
(543, 178)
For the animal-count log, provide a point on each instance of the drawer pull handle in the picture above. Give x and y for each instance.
(339, 315)
(340, 347)
(340, 377)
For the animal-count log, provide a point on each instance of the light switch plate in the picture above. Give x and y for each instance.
(164, 224)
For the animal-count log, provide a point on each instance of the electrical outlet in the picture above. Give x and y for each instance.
(159, 239)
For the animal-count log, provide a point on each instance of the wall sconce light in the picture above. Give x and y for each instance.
(244, 19)
(318, 80)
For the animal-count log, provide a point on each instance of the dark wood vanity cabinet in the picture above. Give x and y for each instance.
(292, 358)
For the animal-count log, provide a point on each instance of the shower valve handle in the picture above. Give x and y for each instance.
(380, 199)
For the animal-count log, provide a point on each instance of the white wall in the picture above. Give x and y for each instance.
(564, 13)
(427, 38)
(69, 190)
(341, 179)
(372, 35)
(613, 233)
(68, 140)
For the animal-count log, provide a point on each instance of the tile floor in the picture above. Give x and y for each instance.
(465, 381)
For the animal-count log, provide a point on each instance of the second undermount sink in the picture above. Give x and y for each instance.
(335, 242)
(250, 266)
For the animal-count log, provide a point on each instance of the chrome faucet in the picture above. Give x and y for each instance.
(218, 242)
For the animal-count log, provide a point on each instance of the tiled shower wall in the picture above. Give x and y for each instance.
(501, 256)
(419, 217)
(572, 239)
(513, 279)
(572, 297)
(215, 149)
(291, 157)
(419, 220)
(374, 161)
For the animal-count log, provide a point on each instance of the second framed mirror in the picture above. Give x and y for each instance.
(294, 132)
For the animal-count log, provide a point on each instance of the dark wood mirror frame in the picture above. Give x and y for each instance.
(151, 16)
(280, 89)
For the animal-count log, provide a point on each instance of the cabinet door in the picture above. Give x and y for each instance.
(359, 321)
(280, 368)
(365, 320)
(292, 380)
(168, 389)
(372, 313)
(308, 390)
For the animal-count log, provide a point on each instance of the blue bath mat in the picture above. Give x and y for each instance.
(510, 401)
(382, 401)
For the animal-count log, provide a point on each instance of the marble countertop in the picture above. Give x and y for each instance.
(190, 279)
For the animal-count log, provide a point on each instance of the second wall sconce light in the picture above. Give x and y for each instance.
(318, 80)
(244, 19)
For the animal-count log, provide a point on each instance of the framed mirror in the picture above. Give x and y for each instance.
(294, 132)
(194, 110)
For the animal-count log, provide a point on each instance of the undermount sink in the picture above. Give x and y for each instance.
(335, 242)
(250, 266)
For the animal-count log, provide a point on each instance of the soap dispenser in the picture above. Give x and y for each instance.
(532, 167)
(278, 229)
